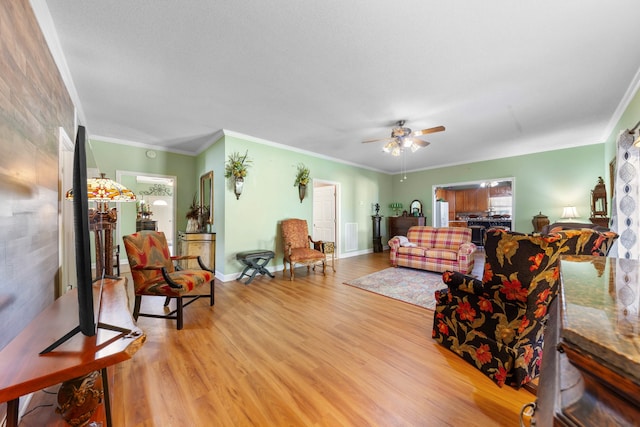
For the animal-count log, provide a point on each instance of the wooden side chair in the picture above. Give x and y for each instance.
(154, 273)
(297, 247)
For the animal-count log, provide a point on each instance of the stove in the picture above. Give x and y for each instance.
(490, 222)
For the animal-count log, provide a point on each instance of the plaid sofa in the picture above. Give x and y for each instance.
(434, 249)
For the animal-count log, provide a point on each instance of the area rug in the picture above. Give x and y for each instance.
(413, 286)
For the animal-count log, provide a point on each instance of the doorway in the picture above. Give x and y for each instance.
(326, 212)
(155, 191)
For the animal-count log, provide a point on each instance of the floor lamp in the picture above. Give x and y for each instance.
(102, 220)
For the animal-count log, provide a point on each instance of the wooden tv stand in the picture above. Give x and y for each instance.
(24, 370)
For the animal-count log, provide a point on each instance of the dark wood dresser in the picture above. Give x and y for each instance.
(399, 225)
(590, 373)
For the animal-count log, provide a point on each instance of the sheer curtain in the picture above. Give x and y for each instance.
(625, 206)
(625, 220)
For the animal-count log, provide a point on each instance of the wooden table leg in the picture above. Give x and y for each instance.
(12, 412)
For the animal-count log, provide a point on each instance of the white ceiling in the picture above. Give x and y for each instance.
(504, 77)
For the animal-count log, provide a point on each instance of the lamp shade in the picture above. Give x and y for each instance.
(103, 189)
(569, 212)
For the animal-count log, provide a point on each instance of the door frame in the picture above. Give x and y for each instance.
(337, 192)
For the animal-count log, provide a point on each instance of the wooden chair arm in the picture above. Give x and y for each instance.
(314, 241)
(181, 257)
(148, 267)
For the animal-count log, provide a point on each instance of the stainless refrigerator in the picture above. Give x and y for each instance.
(441, 214)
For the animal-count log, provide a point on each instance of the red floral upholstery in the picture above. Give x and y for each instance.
(297, 246)
(497, 323)
(154, 273)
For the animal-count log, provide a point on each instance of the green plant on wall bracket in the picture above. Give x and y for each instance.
(236, 168)
(302, 179)
(237, 165)
(302, 175)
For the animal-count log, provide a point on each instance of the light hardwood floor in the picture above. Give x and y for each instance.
(313, 352)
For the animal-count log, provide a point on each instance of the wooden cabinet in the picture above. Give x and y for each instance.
(203, 244)
(471, 200)
(399, 225)
(482, 199)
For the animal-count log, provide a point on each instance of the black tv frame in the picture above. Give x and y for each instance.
(87, 314)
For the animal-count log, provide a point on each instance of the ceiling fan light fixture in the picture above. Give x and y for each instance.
(414, 148)
(396, 151)
(388, 147)
(406, 142)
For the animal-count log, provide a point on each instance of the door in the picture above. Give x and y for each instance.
(324, 212)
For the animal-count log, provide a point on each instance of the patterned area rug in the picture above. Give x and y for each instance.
(416, 287)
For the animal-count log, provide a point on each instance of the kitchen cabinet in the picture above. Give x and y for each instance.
(472, 200)
(482, 199)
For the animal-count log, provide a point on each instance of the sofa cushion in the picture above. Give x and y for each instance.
(413, 251)
(423, 236)
(451, 238)
(441, 254)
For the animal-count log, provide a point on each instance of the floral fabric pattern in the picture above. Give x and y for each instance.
(497, 323)
(148, 252)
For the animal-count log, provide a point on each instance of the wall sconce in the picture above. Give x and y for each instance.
(238, 183)
(569, 213)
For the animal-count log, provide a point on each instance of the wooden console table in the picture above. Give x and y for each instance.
(590, 373)
(23, 370)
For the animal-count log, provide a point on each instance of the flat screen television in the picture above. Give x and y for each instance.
(87, 323)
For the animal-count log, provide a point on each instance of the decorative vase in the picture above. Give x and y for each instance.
(79, 398)
(192, 225)
(302, 190)
(539, 221)
(238, 185)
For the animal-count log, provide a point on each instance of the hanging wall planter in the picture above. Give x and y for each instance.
(302, 179)
(236, 168)
(302, 191)
(238, 184)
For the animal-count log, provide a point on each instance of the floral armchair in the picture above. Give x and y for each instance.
(154, 273)
(497, 323)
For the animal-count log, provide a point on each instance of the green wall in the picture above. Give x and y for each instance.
(543, 182)
(110, 157)
(629, 119)
(252, 221)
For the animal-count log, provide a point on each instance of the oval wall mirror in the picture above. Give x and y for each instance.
(415, 208)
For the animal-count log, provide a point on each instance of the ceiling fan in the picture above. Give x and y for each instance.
(402, 137)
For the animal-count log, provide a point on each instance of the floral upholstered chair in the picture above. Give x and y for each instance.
(153, 273)
(497, 323)
(297, 246)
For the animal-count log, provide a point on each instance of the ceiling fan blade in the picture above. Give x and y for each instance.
(420, 142)
(426, 131)
(377, 140)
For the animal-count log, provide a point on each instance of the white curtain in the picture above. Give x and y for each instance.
(625, 206)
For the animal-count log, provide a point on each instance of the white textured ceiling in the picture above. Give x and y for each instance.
(504, 77)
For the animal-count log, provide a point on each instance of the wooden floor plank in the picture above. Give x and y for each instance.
(312, 352)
